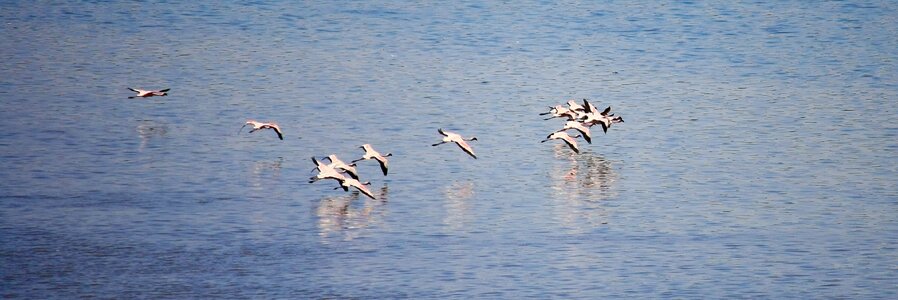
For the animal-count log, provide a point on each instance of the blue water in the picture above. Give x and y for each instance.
(758, 158)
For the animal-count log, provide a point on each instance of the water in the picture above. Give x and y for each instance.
(757, 158)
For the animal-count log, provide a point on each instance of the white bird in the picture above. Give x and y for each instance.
(606, 118)
(370, 153)
(326, 172)
(566, 138)
(579, 127)
(573, 105)
(451, 137)
(148, 93)
(362, 187)
(338, 164)
(263, 125)
(556, 111)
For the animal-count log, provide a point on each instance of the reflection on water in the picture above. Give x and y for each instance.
(457, 206)
(147, 130)
(265, 171)
(347, 216)
(579, 185)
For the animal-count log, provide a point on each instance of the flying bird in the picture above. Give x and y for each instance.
(451, 137)
(573, 105)
(370, 153)
(326, 172)
(338, 164)
(557, 111)
(361, 186)
(569, 140)
(148, 93)
(262, 125)
(579, 127)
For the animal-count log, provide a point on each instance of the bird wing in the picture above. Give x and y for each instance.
(352, 173)
(318, 164)
(383, 164)
(278, 131)
(134, 90)
(364, 189)
(467, 148)
(587, 107)
(165, 90)
(606, 111)
(571, 143)
(585, 131)
(442, 132)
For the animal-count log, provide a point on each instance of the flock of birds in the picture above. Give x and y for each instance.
(579, 117)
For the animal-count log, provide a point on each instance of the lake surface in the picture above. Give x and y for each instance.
(758, 158)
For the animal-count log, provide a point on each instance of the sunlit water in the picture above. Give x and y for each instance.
(758, 157)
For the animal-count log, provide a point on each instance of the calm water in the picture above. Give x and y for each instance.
(758, 157)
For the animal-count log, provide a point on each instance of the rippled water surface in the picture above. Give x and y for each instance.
(758, 157)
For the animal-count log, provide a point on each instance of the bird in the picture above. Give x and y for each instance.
(370, 153)
(579, 127)
(338, 164)
(361, 186)
(556, 111)
(451, 137)
(325, 172)
(566, 138)
(605, 118)
(262, 125)
(148, 93)
(573, 105)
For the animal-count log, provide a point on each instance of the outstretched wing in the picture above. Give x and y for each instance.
(364, 189)
(383, 164)
(572, 144)
(467, 148)
(278, 131)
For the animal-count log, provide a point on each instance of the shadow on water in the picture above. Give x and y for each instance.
(579, 186)
(346, 216)
(457, 207)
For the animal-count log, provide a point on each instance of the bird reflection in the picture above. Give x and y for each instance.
(457, 206)
(579, 186)
(147, 130)
(265, 171)
(347, 216)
